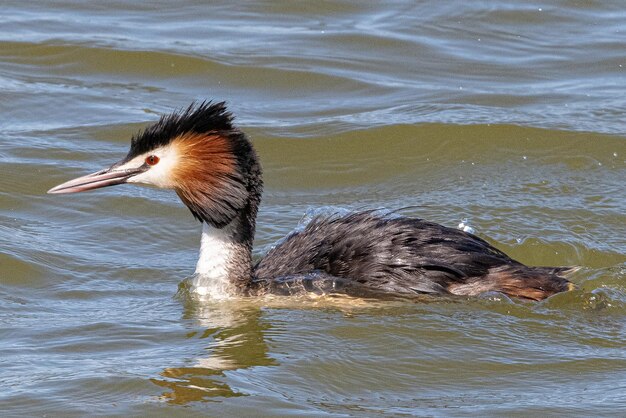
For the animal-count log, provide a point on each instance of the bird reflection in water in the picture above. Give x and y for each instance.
(235, 331)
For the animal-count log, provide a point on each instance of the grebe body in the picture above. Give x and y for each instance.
(214, 169)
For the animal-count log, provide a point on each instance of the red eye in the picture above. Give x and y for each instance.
(152, 160)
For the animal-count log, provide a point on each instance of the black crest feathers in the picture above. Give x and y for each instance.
(198, 118)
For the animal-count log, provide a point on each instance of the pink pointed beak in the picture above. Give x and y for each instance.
(103, 178)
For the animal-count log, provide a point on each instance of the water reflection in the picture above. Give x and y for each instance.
(235, 333)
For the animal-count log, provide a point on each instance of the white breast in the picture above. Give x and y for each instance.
(216, 249)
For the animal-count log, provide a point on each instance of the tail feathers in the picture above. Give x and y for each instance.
(535, 283)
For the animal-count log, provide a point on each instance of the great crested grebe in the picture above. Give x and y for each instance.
(215, 171)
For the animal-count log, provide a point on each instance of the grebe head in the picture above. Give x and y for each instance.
(196, 152)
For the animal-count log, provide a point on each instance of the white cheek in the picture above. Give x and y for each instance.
(159, 175)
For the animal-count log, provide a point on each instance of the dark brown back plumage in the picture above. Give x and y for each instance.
(404, 256)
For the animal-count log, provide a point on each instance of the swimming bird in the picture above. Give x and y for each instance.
(213, 167)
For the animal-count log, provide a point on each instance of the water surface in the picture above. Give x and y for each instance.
(508, 115)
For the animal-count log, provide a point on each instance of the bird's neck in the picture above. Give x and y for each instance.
(224, 267)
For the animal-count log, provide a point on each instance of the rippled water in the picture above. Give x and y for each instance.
(508, 114)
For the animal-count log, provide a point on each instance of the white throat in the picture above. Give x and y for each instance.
(212, 271)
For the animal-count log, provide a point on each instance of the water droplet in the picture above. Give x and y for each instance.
(464, 226)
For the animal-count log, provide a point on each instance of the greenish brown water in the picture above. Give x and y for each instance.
(508, 114)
